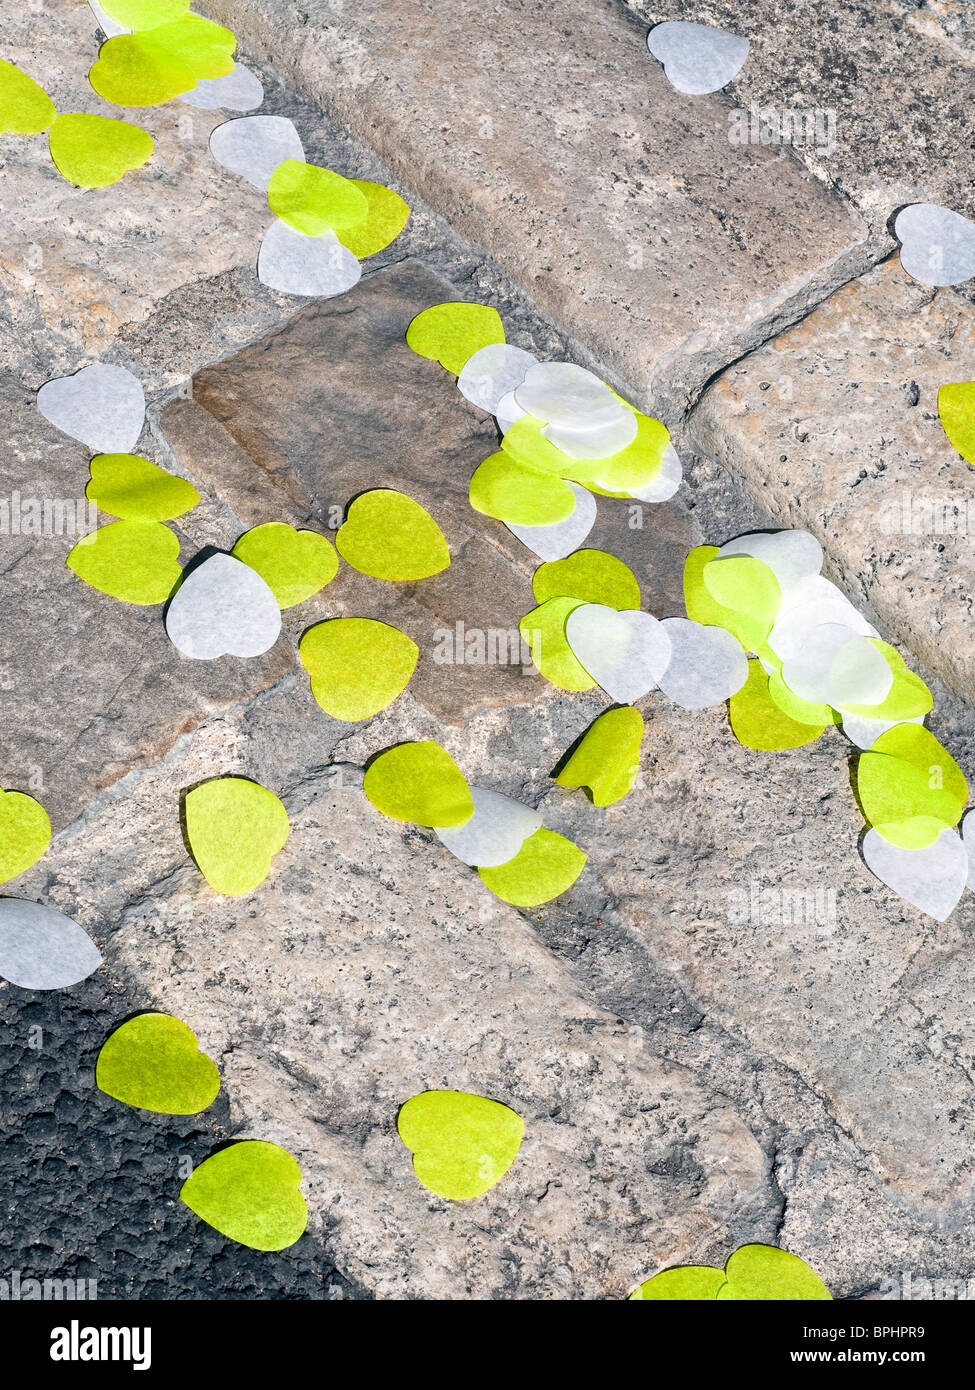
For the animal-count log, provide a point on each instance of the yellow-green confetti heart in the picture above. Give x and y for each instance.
(357, 666)
(504, 488)
(389, 536)
(130, 71)
(794, 707)
(95, 151)
(137, 561)
(546, 865)
(758, 722)
(251, 1193)
(293, 564)
(207, 49)
(591, 576)
(25, 107)
(130, 487)
(607, 758)
(685, 1283)
(154, 1063)
(419, 782)
(451, 333)
(461, 1144)
(639, 463)
(526, 444)
(544, 631)
(956, 407)
(750, 624)
(145, 14)
(315, 200)
(908, 695)
(753, 1273)
(235, 828)
(910, 787)
(25, 833)
(386, 216)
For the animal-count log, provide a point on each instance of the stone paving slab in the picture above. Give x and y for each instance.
(556, 144)
(835, 425)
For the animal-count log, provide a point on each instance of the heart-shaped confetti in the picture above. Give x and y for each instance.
(153, 1062)
(386, 216)
(40, 948)
(253, 146)
(592, 576)
(25, 107)
(25, 833)
(625, 652)
(753, 1273)
(419, 782)
(931, 879)
(937, 245)
(223, 608)
(314, 200)
(357, 666)
(956, 410)
(607, 757)
(235, 827)
(491, 373)
(102, 406)
(134, 489)
(293, 564)
(451, 333)
(136, 561)
(495, 832)
(560, 538)
(240, 90)
(94, 152)
(293, 263)
(251, 1193)
(546, 866)
(389, 536)
(697, 58)
(461, 1144)
(707, 665)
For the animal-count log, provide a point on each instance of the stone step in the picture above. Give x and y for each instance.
(552, 139)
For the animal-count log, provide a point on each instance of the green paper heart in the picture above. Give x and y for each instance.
(145, 14)
(749, 627)
(639, 463)
(251, 1193)
(357, 666)
(546, 865)
(25, 833)
(96, 151)
(526, 444)
(293, 564)
(451, 333)
(685, 1283)
(235, 828)
(130, 487)
(544, 631)
(462, 1144)
(386, 216)
(136, 561)
(758, 722)
(153, 1062)
(910, 787)
(511, 491)
(956, 408)
(752, 1273)
(25, 107)
(607, 759)
(389, 536)
(419, 782)
(591, 576)
(908, 695)
(130, 71)
(315, 200)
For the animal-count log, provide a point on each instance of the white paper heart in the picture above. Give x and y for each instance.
(223, 608)
(40, 948)
(102, 406)
(932, 879)
(240, 90)
(491, 373)
(560, 393)
(494, 834)
(508, 412)
(562, 537)
(607, 438)
(937, 245)
(624, 652)
(254, 146)
(807, 671)
(664, 485)
(812, 603)
(865, 732)
(859, 675)
(293, 263)
(697, 58)
(707, 665)
(792, 556)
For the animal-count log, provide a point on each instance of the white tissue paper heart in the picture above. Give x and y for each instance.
(559, 539)
(495, 832)
(492, 373)
(608, 437)
(560, 393)
(865, 732)
(697, 58)
(968, 839)
(932, 879)
(508, 412)
(707, 664)
(223, 608)
(40, 948)
(812, 603)
(102, 406)
(792, 556)
(807, 671)
(625, 651)
(294, 263)
(240, 90)
(664, 485)
(937, 245)
(254, 146)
